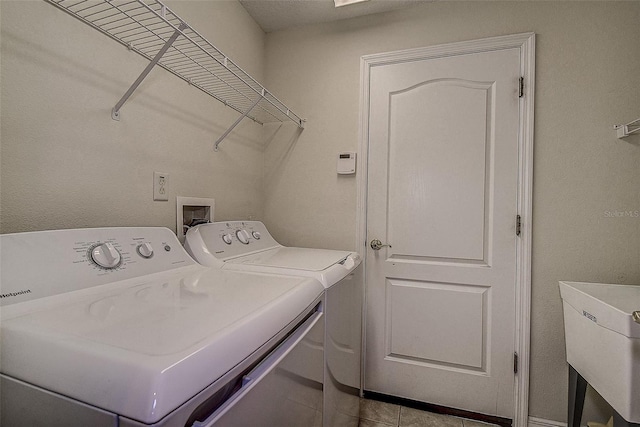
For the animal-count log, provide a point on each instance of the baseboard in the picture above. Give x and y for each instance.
(540, 422)
(423, 406)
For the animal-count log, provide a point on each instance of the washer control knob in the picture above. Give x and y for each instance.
(256, 235)
(145, 250)
(243, 236)
(227, 239)
(106, 255)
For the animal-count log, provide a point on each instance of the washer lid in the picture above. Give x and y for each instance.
(293, 258)
(142, 347)
(608, 305)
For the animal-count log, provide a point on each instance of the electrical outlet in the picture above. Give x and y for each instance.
(160, 186)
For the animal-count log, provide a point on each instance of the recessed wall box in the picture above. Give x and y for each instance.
(192, 211)
(347, 163)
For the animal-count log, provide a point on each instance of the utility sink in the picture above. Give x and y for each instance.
(602, 331)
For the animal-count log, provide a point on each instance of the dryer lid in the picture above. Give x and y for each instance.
(305, 259)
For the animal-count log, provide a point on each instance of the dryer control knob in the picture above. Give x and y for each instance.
(243, 236)
(256, 235)
(106, 255)
(145, 250)
(227, 239)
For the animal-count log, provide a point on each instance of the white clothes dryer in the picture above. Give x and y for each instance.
(248, 246)
(119, 326)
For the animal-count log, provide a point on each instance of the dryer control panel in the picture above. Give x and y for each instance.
(45, 263)
(229, 239)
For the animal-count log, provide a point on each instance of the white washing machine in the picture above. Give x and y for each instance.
(248, 246)
(119, 326)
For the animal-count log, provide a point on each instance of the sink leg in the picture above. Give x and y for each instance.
(577, 390)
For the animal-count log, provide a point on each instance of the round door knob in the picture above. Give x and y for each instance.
(106, 255)
(145, 250)
(376, 245)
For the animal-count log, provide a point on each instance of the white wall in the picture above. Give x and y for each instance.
(67, 164)
(588, 63)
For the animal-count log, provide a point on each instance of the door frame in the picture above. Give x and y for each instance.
(526, 43)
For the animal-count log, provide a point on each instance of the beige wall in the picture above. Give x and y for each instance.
(66, 163)
(587, 64)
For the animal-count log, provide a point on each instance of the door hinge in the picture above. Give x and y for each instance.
(515, 363)
(518, 225)
(521, 88)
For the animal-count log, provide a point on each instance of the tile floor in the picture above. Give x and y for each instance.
(381, 414)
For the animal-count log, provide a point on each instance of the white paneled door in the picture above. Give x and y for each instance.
(442, 192)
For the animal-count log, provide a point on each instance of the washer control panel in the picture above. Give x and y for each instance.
(122, 253)
(46, 263)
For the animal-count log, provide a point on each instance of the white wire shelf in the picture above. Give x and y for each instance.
(630, 128)
(151, 29)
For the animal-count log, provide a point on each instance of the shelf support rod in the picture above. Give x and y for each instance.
(245, 114)
(115, 112)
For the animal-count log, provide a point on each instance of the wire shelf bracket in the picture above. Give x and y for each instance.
(228, 131)
(152, 30)
(115, 112)
(630, 128)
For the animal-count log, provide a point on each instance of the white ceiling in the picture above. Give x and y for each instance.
(274, 15)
